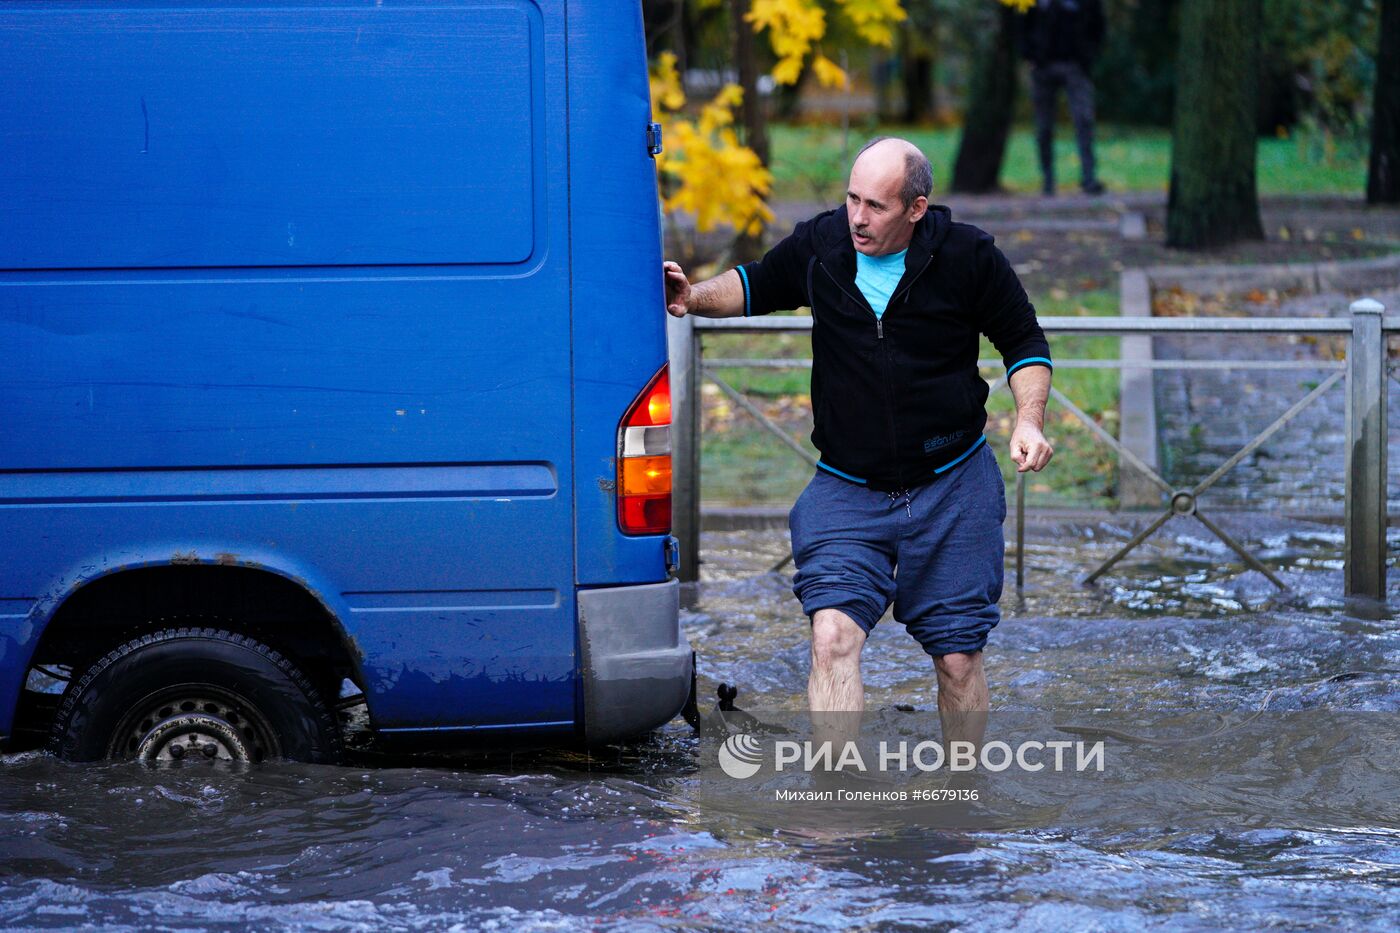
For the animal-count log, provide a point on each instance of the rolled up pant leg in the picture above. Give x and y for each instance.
(844, 542)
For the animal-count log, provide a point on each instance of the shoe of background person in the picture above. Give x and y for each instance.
(1093, 187)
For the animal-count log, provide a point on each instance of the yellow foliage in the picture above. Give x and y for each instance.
(828, 72)
(729, 97)
(666, 92)
(793, 26)
(874, 19)
(705, 170)
(796, 26)
(1020, 6)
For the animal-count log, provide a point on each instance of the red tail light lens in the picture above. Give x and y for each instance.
(644, 461)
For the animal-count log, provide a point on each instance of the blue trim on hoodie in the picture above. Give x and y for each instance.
(1027, 360)
(831, 469)
(965, 454)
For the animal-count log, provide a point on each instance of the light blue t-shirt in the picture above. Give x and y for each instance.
(877, 276)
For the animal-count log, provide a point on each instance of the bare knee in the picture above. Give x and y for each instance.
(958, 669)
(836, 639)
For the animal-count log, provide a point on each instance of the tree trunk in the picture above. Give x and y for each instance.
(1383, 179)
(1214, 197)
(662, 21)
(916, 72)
(987, 123)
(882, 68)
(787, 98)
(752, 116)
(746, 57)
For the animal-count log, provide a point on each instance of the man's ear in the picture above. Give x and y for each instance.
(919, 209)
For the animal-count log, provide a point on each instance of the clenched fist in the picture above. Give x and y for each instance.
(1029, 448)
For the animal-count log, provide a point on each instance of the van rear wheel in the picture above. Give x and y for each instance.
(195, 694)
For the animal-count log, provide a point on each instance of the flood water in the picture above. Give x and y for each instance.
(631, 839)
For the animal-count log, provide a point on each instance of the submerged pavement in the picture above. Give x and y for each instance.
(645, 837)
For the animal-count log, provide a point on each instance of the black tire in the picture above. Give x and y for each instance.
(194, 693)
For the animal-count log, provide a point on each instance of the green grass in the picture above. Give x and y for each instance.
(743, 465)
(1084, 471)
(810, 165)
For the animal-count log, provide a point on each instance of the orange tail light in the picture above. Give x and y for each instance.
(644, 461)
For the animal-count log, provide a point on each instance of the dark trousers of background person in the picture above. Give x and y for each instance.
(1046, 80)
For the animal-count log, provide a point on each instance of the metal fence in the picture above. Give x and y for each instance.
(1364, 371)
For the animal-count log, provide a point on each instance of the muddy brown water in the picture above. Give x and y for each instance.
(632, 838)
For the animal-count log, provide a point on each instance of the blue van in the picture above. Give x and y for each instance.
(331, 350)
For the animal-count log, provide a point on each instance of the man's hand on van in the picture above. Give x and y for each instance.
(721, 296)
(677, 289)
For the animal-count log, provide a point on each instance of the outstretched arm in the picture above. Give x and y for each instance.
(721, 296)
(1029, 448)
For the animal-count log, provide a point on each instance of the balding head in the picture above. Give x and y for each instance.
(893, 153)
(887, 195)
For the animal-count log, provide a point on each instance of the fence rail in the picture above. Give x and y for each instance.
(1364, 371)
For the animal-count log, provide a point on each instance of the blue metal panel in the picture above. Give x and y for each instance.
(398, 438)
(484, 636)
(619, 307)
(239, 134)
(184, 369)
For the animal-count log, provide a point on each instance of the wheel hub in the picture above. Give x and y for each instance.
(195, 727)
(193, 736)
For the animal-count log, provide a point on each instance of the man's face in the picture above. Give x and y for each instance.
(880, 223)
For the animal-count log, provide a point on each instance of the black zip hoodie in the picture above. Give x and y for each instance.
(898, 401)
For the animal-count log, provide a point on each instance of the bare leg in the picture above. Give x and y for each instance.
(963, 698)
(834, 683)
(834, 687)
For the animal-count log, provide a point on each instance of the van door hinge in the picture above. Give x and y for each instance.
(654, 139)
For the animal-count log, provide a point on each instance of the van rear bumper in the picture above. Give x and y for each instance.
(636, 662)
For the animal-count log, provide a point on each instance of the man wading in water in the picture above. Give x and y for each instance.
(899, 294)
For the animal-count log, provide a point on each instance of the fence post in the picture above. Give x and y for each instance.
(1366, 453)
(1137, 405)
(683, 346)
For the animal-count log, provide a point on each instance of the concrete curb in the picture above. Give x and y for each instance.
(1310, 278)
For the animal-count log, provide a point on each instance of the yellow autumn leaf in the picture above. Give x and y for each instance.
(708, 174)
(792, 26)
(666, 91)
(874, 19)
(731, 95)
(787, 70)
(828, 72)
